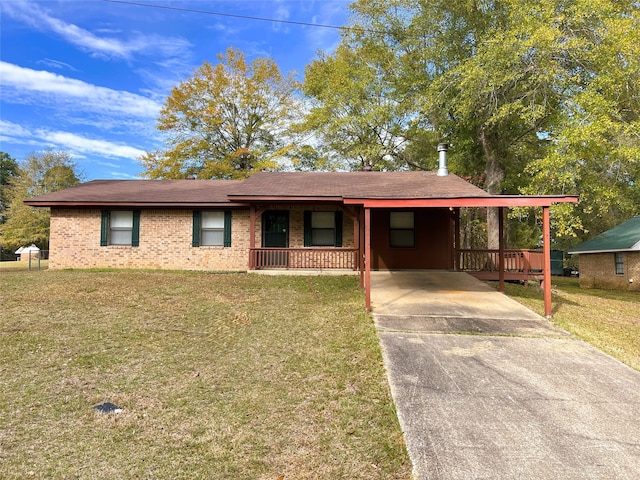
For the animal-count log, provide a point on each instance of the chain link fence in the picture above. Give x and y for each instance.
(27, 260)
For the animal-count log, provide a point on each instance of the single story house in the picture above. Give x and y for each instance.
(32, 252)
(612, 259)
(360, 221)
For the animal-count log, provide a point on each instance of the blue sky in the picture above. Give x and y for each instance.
(90, 76)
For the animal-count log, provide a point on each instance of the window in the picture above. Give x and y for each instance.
(619, 261)
(323, 229)
(120, 227)
(211, 229)
(401, 230)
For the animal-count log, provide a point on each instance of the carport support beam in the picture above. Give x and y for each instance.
(501, 248)
(546, 252)
(367, 258)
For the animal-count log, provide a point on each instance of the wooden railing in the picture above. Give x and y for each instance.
(518, 264)
(304, 258)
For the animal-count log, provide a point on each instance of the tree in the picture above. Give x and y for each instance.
(39, 173)
(595, 147)
(8, 170)
(354, 111)
(510, 84)
(226, 121)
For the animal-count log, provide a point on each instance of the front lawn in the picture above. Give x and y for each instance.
(607, 319)
(220, 376)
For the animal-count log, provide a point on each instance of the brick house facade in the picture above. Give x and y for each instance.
(165, 240)
(598, 270)
(355, 221)
(611, 260)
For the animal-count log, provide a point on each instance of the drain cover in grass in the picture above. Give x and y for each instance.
(108, 407)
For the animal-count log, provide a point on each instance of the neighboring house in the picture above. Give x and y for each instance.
(296, 220)
(28, 253)
(612, 259)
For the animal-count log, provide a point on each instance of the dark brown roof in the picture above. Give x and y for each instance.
(140, 193)
(371, 189)
(339, 185)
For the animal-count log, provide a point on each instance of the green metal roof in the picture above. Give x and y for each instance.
(624, 237)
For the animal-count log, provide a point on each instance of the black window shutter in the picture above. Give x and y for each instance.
(338, 220)
(135, 232)
(227, 228)
(104, 228)
(195, 237)
(307, 228)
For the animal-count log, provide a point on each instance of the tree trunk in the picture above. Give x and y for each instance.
(494, 176)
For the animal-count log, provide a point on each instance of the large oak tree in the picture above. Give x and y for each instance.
(226, 121)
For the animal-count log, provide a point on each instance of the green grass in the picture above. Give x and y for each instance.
(607, 319)
(23, 265)
(219, 376)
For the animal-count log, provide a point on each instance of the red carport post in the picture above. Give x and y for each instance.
(367, 258)
(546, 252)
(501, 248)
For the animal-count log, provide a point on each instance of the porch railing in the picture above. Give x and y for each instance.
(304, 258)
(517, 263)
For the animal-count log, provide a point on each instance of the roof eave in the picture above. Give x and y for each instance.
(608, 250)
(107, 204)
(284, 198)
(479, 201)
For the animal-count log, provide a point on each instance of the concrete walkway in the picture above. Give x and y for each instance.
(487, 389)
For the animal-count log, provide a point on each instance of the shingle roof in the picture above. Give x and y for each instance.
(356, 185)
(388, 188)
(140, 192)
(624, 237)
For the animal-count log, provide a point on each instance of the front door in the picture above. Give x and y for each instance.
(275, 234)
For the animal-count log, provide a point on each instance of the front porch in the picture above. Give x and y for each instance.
(304, 258)
(517, 264)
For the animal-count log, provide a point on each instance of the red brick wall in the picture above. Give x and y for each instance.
(165, 240)
(597, 270)
(165, 243)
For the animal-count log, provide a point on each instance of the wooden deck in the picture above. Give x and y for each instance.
(519, 264)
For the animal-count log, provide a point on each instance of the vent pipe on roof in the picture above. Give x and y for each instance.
(442, 159)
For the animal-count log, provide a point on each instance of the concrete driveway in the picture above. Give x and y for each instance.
(487, 389)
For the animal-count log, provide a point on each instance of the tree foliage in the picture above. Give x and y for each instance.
(8, 170)
(226, 121)
(39, 173)
(536, 96)
(358, 118)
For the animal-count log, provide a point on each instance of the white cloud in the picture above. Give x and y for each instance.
(281, 13)
(330, 13)
(89, 145)
(26, 84)
(48, 62)
(78, 145)
(38, 18)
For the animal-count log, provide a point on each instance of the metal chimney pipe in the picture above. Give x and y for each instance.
(442, 159)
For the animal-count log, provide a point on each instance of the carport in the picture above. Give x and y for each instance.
(453, 205)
